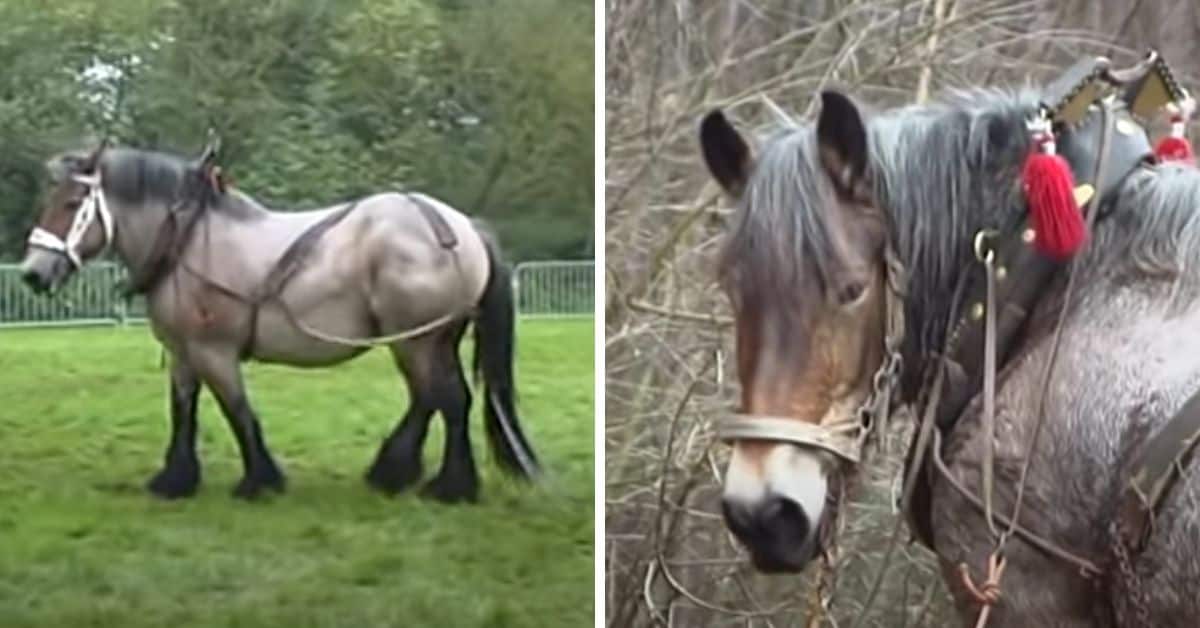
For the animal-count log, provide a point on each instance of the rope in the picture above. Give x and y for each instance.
(370, 341)
(1087, 569)
(988, 593)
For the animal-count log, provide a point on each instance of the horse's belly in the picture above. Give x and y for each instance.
(297, 342)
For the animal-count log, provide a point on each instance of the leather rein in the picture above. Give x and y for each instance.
(990, 258)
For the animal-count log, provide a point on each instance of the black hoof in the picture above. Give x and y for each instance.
(254, 485)
(452, 490)
(393, 477)
(176, 481)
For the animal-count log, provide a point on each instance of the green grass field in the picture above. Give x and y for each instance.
(83, 425)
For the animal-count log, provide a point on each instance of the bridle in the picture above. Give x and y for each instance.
(94, 207)
(843, 437)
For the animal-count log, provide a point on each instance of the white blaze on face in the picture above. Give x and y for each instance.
(785, 470)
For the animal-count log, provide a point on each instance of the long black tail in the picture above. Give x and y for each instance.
(495, 339)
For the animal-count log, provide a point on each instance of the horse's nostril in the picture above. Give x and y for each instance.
(783, 518)
(774, 517)
(773, 508)
(775, 529)
(738, 517)
(31, 278)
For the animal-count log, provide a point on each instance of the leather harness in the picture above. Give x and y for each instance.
(1085, 112)
(293, 257)
(1102, 159)
(182, 219)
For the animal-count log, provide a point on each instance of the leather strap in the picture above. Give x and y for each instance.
(843, 439)
(1158, 467)
(1026, 275)
(195, 199)
(164, 253)
(1022, 272)
(286, 267)
(441, 229)
(1128, 148)
(293, 257)
(93, 208)
(989, 382)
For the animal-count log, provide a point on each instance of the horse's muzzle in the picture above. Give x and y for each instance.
(42, 270)
(35, 281)
(775, 530)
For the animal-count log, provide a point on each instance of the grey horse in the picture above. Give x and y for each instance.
(226, 281)
(806, 266)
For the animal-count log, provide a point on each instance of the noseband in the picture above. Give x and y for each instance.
(94, 206)
(844, 436)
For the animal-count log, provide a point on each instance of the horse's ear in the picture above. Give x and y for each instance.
(93, 159)
(211, 151)
(61, 167)
(725, 152)
(842, 139)
(206, 164)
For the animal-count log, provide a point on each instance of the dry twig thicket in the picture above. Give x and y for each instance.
(668, 344)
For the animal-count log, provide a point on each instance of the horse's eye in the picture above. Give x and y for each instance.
(850, 292)
(74, 204)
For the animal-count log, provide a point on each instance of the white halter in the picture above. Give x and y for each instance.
(94, 205)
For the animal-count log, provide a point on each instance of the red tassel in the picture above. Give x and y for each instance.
(1050, 192)
(1175, 147)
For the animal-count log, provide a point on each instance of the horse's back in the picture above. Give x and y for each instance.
(420, 226)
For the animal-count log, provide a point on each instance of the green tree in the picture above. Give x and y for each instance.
(486, 105)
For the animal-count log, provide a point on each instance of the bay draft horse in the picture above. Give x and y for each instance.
(227, 280)
(829, 214)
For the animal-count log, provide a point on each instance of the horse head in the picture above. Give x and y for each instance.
(73, 226)
(804, 269)
(861, 245)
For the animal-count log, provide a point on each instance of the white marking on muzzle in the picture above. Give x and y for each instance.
(788, 470)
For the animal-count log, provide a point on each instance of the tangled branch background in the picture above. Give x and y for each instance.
(668, 341)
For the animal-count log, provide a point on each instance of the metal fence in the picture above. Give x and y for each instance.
(558, 288)
(93, 296)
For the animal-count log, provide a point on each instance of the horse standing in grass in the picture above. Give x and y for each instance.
(850, 266)
(226, 280)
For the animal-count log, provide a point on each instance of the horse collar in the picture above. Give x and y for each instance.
(1014, 283)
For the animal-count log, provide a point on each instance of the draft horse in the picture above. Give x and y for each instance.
(227, 281)
(894, 258)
